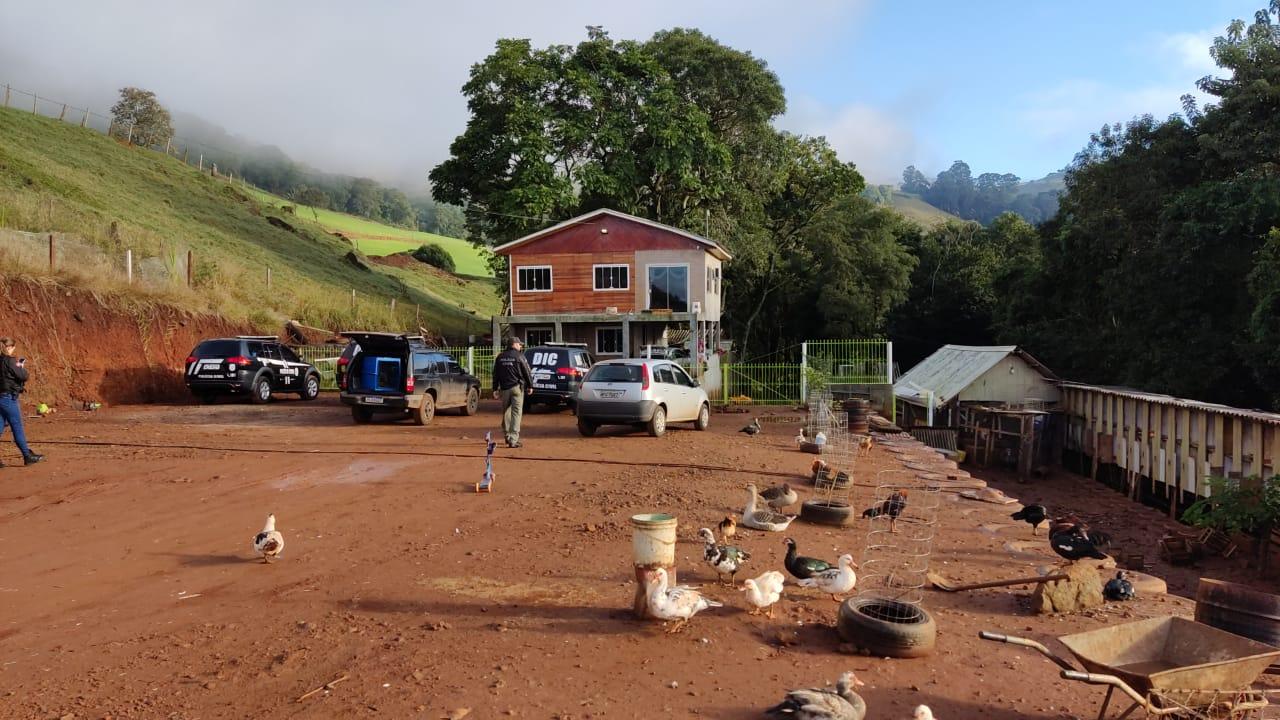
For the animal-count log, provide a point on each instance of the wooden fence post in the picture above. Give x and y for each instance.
(166, 145)
(129, 139)
(128, 266)
(35, 104)
(393, 306)
(84, 120)
(185, 152)
(63, 115)
(6, 95)
(201, 162)
(268, 278)
(353, 298)
(51, 254)
(190, 267)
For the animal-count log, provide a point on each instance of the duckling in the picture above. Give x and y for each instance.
(780, 496)
(728, 527)
(760, 519)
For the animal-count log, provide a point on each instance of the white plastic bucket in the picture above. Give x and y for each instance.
(653, 546)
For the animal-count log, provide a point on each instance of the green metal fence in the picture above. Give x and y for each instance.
(764, 383)
(476, 360)
(850, 362)
(325, 358)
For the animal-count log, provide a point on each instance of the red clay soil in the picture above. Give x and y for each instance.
(407, 261)
(81, 346)
(128, 588)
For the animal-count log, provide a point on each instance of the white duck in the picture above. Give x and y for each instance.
(763, 519)
(764, 591)
(269, 543)
(679, 603)
(837, 580)
(822, 704)
(922, 713)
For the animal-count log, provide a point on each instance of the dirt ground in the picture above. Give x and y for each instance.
(128, 588)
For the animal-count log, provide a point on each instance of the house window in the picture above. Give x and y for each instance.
(612, 277)
(536, 278)
(669, 287)
(717, 281)
(708, 279)
(537, 336)
(609, 341)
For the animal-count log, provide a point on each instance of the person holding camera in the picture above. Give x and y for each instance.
(13, 381)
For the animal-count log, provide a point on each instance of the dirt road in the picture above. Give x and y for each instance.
(128, 589)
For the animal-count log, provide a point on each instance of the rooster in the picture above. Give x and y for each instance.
(1032, 515)
(892, 507)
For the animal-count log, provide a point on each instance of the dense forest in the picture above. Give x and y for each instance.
(1158, 267)
(269, 168)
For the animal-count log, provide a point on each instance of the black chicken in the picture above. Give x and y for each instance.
(1033, 515)
(1118, 588)
(892, 507)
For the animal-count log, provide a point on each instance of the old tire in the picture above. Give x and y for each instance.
(811, 447)
(704, 418)
(261, 390)
(310, 388)
(826, 512)
(887, 628)
(361, 416)
(657, 425)
(473, 402)
(586, 428)
(425, 411)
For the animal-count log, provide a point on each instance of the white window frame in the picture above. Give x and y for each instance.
(717, 291)
(622, 344)
(539, 328)
(610, 265)
(688, 291)
(551, 276)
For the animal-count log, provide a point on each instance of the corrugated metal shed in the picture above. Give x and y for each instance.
(952, 368)
(1157, 399)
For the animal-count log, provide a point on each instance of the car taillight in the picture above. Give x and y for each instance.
(408, 383)
(344, 361)
(191, 359)
(644, 377)
(571, 372)
(238, 360)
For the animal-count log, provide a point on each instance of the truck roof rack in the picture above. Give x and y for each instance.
(561, 344)
(257, 337)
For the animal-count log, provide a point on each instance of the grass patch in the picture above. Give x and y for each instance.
(58, 177)
(376, 239)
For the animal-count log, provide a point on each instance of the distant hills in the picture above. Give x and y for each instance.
(956, 194)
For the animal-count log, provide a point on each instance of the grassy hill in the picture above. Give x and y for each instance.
(915, 208)
(58, 177)
(374, 238)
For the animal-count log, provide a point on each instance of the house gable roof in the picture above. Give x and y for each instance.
(952, 368)
(711, 246)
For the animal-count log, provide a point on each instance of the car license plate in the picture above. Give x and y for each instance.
(545, 386)
(205, 376)
(610, 394)
(373, 400)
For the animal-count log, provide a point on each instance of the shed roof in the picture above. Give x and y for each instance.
(712, 246)
(952, 368)
(1158, 399)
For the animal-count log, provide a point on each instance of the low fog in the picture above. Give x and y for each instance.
(372, 89)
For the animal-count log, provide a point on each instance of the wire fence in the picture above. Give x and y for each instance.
(325, 358)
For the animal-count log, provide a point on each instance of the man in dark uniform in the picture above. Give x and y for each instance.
(512, 380)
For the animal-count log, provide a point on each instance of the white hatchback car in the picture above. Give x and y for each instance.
(645, 393)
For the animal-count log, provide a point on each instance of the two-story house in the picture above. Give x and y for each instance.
(615, 282)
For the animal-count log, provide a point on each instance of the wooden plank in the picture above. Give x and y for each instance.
(1275, 451)
(1237, 447)
(1218, 441)
(1255, 449)
(1183, 446)
(572, 284)
(1200, 433)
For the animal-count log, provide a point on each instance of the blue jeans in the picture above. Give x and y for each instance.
(11, 415)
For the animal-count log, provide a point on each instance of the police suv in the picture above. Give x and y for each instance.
(256, 366)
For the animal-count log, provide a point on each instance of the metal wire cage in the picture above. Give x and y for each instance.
(823, 417)
(903, 518)
(833, 474)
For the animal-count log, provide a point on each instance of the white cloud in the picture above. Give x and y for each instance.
(366, 88)
(1190, 51)
(879, 142)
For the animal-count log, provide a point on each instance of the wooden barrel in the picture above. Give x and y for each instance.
(859, 411)
(1239, 609)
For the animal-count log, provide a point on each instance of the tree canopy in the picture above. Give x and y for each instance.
(139, 116)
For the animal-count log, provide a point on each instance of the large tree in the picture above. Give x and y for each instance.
(139, 116)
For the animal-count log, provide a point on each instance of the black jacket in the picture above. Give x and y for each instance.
(13, 379)
(511, 369)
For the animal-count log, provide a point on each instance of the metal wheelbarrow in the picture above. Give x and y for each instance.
(1169, 667)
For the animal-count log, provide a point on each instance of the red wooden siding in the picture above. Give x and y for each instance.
(572, 283)
(623, 236)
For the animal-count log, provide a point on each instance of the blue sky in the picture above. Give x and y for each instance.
(371, 88)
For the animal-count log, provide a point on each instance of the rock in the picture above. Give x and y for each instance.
(458, 714)
(1080, 591)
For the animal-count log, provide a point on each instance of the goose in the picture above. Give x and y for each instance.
(269, 543)
(822, 704)
(763, 519)
(780, 496)
(802, 437)
(764, 591)
(724, 559)
(679, 603)
(837, 580)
